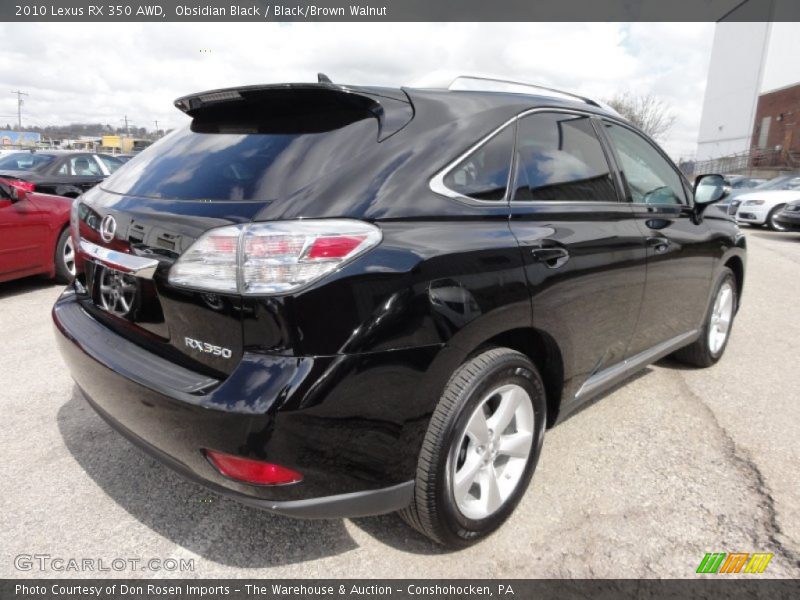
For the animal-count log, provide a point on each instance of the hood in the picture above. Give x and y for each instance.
(770, 196)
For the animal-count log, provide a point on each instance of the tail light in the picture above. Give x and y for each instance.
(271, 258)
(25, 186)
(251, 471)
(19, 188)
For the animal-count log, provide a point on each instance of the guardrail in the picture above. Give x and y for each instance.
(745, 162)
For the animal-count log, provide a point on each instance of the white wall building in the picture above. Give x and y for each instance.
(747, 60)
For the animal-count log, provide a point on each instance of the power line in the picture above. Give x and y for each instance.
(19, 106)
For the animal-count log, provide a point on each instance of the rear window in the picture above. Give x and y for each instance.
(186, 165)
(25, 161)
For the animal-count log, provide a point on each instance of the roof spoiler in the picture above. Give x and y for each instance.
(293, 108)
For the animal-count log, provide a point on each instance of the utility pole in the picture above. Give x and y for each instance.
(127, 130)
(156, 122)
(19, 107)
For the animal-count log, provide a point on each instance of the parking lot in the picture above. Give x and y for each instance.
(642, 483)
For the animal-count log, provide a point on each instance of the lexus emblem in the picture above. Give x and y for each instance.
(108, 227)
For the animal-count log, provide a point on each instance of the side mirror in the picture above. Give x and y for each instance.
(710, 188)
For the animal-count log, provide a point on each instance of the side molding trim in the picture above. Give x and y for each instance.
(606, 378)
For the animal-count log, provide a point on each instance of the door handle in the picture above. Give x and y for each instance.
(552, 256)
(659, 243)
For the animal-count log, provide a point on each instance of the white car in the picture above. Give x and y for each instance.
(761, 205)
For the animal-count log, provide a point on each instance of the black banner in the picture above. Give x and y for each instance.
(399, 10)
(445, 589)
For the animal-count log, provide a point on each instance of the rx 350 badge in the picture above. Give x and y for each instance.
(207, 348)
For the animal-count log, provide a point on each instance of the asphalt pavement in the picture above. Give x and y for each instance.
(642, 483)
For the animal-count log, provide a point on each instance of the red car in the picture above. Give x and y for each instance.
(34, 233)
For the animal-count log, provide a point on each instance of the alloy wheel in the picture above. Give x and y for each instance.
(493, 451)
(773, 222)
(117, 292)
(68, 256)
(721, 316)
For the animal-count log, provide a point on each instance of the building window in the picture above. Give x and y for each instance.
(763, 133)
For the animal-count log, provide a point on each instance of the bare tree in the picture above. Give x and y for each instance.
(650, 114)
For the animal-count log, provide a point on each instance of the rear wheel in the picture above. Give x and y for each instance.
(711, 344)
(65, 257)
(480, 450)
(771, 222)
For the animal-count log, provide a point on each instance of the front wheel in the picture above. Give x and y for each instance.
(771, 222)
(480, 450)
(713, 340)
(65, 257)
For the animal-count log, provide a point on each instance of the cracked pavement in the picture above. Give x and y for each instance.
(675, 463)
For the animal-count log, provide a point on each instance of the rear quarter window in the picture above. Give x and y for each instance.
(186, 165)
(483, 175)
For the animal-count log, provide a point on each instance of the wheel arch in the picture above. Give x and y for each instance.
(544, 352)
(736, 264)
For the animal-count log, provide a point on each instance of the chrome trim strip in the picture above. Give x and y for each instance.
(436, 183)
(127, 263)
(613, 374)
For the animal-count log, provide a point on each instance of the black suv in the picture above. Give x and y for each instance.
(331, 301)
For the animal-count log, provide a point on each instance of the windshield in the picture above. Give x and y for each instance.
(239, 166)
(784, 182)
(112, 163)
(25, 161)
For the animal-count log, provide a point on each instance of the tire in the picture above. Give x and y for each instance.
(496, 378)
(65, 258)
(705, 351)
(771, 223)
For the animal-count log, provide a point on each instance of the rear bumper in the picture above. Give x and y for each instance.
(355, 441)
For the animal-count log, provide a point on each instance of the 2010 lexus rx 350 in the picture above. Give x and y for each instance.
(334, 301)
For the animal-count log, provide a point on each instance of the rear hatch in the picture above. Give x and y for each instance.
(244, 149)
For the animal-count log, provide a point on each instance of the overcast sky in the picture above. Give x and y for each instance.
(101, 72)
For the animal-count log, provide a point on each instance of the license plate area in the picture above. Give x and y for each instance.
(116, 292)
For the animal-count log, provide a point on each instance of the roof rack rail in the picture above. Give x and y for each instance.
(448, 80)
(460, 82)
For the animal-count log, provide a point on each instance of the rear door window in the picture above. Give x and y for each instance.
(83, 165)
(560, 158)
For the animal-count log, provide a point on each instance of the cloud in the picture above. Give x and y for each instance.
(81, 72)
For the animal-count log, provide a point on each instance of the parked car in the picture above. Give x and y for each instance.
(58, 172)
(124, 157)
(742, 182)
(34, 234)
(332, 301)
(789, 217)
(763, 203)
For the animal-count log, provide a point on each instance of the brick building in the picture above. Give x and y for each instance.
(750, 59)
(776, 125)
